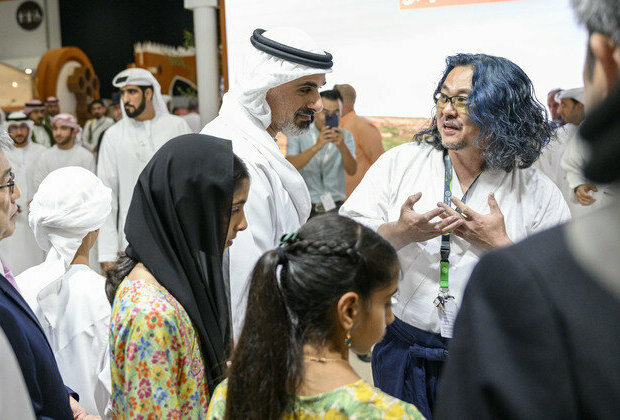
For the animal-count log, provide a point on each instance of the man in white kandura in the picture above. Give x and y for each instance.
(564, 102)
(276, 91)
(475, 155)
(66, 151)
(127, 147)
(94, 128)
(35, 109)
(20, 251)
(584, 196)
(68, 297)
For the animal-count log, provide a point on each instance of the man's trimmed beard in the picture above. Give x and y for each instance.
(21, 142)
(290, 129)
(138, 110)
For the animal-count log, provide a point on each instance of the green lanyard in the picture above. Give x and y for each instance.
(444, 264)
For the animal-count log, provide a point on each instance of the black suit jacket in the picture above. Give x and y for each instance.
(536, 338)
(49, 396)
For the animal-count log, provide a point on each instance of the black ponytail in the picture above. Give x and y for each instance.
(281, 367)
(291, 301)
(117, 273)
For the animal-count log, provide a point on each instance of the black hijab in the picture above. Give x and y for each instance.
(176, 226)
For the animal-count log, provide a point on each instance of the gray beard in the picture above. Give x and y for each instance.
(290, 129)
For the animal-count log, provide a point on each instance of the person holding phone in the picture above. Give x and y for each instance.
(323, 155)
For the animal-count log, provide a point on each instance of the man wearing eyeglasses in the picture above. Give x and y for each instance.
(49, 396)
(20, 251)
(465, 186)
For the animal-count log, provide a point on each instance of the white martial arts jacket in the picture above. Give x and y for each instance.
(126, 148)
(55, 158)
(278, 201)
(20, 250)
(74, 312)
(528, 199)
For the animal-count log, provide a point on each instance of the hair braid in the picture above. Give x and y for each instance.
(325, 248)
(291, 302)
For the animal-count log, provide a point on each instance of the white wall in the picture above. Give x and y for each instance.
(394, 58)
(22, 48)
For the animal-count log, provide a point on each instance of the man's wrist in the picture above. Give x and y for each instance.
(394, 233)
(503, 241)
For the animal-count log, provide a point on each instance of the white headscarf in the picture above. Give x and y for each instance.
(261, 71)
(70, 203)
(245, 109)
(141, 77)
(577, 94)
(16, 118)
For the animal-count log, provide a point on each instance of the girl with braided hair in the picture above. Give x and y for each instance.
(325, 289)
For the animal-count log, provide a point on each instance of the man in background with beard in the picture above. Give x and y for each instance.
(94, 128)
(66, 151)
(126, 148)
(35, 110)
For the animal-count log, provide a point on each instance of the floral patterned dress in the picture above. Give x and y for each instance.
(358, 400)
(157, 369)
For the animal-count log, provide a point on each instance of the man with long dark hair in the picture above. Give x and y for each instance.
(538, 336)
(487, 131)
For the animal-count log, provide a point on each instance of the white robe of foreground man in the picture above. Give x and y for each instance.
(126, 148)
(20, 250)
(68, 297)
(528, 199)
(278, 201)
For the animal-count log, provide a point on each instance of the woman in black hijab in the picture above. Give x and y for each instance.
(170, 325)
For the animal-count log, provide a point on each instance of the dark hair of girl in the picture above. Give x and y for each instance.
(292, 299)
(124, 264)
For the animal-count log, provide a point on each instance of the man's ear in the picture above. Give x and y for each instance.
(148, 94)
(607, 53)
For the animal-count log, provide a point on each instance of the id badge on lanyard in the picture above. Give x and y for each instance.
(445, 302)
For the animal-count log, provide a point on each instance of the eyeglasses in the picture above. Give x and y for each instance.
(458, 102)
(11, 184)
(15, 127)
